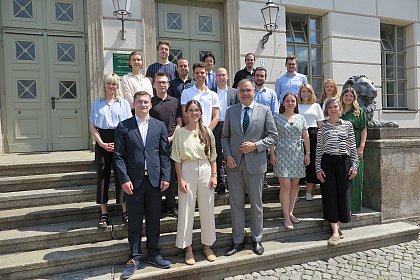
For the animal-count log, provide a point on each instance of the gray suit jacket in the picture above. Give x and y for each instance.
(261, 131)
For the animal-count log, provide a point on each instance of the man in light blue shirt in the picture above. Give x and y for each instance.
(291, 80)
(263, 95)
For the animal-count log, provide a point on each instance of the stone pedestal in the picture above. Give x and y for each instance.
(392, 172)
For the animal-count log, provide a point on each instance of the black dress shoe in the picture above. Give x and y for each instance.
(172, 212)
(257, 248)
(235, 248)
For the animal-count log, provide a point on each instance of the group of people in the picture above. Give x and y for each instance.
(167, 131)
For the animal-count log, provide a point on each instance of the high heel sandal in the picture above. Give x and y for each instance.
(125, 217)
(103, 221)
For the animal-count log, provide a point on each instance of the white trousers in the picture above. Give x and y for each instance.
(197, 174)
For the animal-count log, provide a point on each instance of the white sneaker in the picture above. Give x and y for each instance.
(309, 196)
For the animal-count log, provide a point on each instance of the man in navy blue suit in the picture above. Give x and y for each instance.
(142, 161)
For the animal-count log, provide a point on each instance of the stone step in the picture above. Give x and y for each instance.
(115, 252)
(46, 163)
(82, 209)
(85, 231)
(57, 196)
(278, 253)
(46, 181)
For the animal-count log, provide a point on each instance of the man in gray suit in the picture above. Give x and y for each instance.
(248, 131)
(227, 97)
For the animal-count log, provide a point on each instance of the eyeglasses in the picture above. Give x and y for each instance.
(248, 90)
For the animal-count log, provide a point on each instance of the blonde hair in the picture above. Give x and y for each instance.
(355, 104)
(113, 78)
(330, 100)
(324, 94)
(312, 97)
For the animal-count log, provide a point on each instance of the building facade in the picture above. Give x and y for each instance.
(54, 53)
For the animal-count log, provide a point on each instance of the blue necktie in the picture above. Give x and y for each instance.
(210, 80)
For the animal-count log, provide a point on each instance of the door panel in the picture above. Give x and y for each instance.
(199, 49)
(65, 15)
(26, 94)
(68, 89)
(205, 24)
(180, 49)
(174, 21)
(22, 13)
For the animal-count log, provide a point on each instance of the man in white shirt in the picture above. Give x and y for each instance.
(208, 99)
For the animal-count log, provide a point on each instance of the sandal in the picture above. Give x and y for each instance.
(125, 218)
(103, 221)
(333, 241)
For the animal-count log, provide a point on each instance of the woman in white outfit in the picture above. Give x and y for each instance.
(194, 153)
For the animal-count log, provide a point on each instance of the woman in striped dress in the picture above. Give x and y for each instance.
(335, 164)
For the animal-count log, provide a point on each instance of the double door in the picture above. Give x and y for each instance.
(45, 75)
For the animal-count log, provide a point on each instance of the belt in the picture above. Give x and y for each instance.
(221, 122)
(146, 173)
(337, 155)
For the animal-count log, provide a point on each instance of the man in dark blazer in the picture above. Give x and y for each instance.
(227, 97)
(249, 130)
(142, 161)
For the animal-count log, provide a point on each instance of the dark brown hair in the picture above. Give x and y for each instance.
(282, 108)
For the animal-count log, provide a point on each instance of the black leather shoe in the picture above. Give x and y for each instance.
(172, 212)
(235, 248)
(132, 266)
(257, 248)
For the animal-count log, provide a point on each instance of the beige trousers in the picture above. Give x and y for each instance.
(197, 175)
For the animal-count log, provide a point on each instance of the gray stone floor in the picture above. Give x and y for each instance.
(400, 261)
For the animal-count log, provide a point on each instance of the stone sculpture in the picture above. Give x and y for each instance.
(367, 93)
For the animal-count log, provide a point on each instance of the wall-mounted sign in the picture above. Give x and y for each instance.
(120, 63)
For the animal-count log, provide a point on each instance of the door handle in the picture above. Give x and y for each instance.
(53, 101)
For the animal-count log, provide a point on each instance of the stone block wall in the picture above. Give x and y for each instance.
(392, 172)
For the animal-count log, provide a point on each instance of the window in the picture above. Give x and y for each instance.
(393, 71)
(303, 39)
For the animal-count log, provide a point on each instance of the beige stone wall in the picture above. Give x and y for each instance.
(351, 41)
(392, 173)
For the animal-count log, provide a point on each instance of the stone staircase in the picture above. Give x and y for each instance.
(48, 218)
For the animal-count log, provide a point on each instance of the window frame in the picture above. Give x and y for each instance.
(393, 60)
(308, 42)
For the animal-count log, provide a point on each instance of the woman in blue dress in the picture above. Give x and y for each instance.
(288, 157)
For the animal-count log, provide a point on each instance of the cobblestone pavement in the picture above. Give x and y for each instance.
(400, 261)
